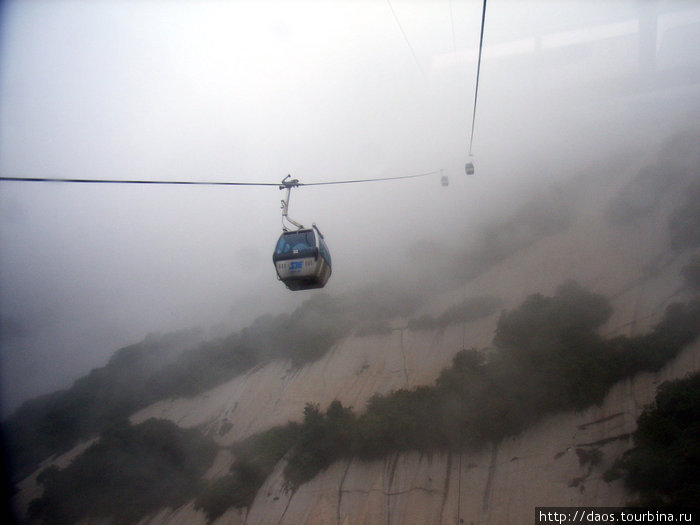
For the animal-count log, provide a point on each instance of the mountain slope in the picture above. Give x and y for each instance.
(614, 240)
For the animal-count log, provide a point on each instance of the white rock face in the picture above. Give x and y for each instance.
(502, 484)
(545, 466)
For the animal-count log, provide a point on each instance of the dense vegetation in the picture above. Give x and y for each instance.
(176, 365)
(302, 336)
(128, 473)
(181, 365)
(662, 468)
(551, 359)
(257, 457)
(54, 423)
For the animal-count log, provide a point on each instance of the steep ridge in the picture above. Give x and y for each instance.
(631, 265)
(559, 461)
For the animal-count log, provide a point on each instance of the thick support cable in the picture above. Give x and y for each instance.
(137, 181)
(282, 185)
(478, 71)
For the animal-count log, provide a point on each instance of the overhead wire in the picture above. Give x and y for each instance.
(277, 184)
(206, 183)
(478, 71)
(408, 42)
(136, 181)
(379, 179)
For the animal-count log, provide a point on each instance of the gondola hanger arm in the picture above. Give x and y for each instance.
(288, 185)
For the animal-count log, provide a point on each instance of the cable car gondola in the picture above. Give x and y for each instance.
(302, 259)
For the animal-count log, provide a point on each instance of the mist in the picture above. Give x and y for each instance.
(253, 91)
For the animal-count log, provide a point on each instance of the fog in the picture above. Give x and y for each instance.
(324, 91)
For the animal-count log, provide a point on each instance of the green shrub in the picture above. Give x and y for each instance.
(224, 493)
(180, 364)
(663, 466)
(128, 473)
(256, 458)
(551, 359)
(322, 440)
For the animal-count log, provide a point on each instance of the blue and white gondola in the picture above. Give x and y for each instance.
(302, 259)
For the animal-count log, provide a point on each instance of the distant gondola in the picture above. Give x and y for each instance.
(302, 259)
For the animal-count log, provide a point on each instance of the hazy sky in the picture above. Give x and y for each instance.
(252, 91)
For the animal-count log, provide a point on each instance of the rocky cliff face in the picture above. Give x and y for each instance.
(558, 462)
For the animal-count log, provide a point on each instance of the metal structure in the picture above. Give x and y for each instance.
(288, 183)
